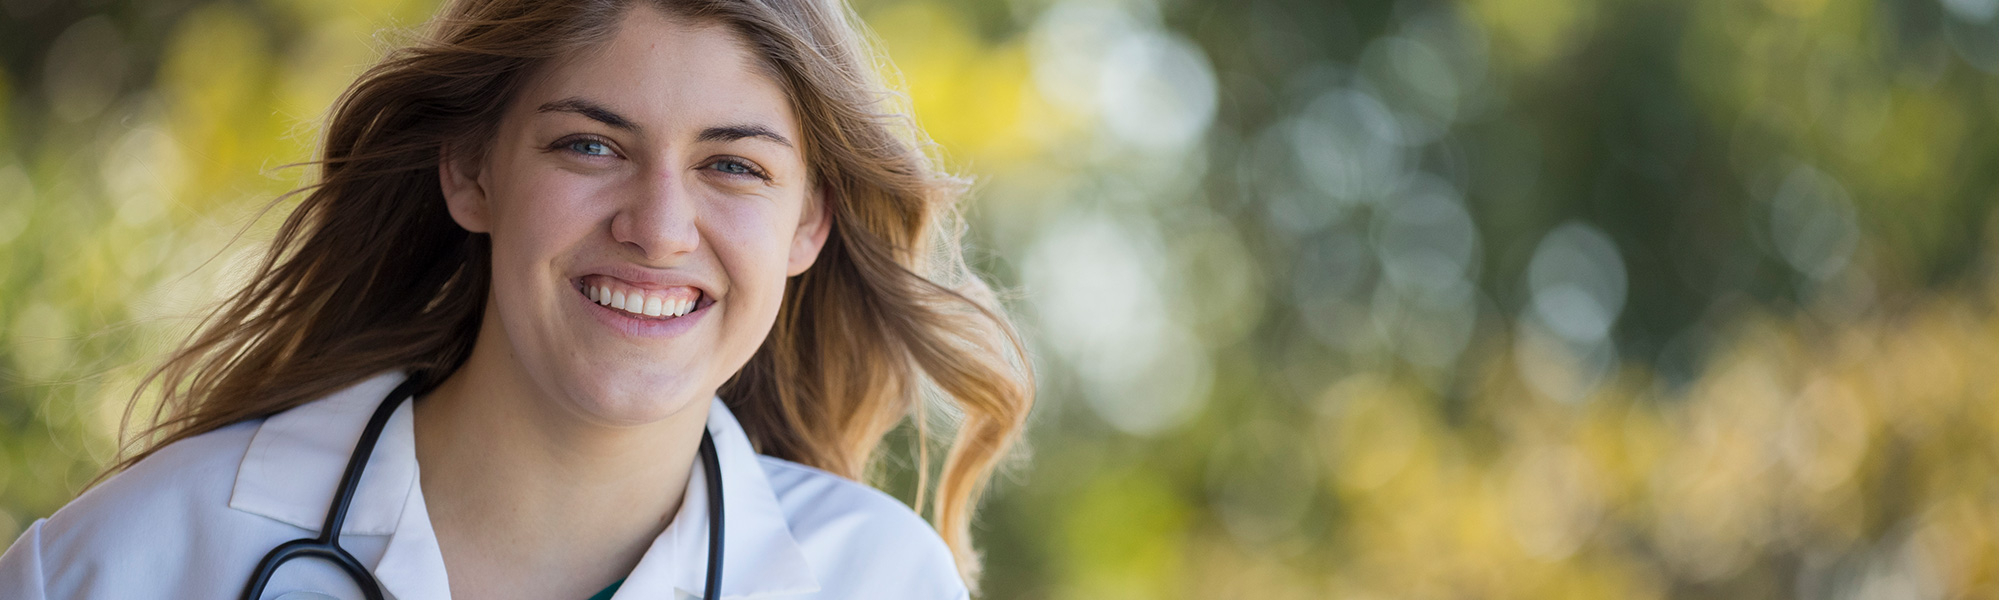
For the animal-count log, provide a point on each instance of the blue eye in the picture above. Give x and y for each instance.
(739, 168)
(590, 148)
(734, 168)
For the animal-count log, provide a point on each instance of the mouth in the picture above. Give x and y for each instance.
(642, 303)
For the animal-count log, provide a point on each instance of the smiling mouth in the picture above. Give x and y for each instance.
(657, 304)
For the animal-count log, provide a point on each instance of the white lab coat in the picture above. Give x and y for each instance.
(193, 519)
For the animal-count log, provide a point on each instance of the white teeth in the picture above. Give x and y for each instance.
(638, 302)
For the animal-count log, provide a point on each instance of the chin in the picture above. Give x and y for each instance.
(631, 401)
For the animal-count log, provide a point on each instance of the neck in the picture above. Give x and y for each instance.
(531, 499)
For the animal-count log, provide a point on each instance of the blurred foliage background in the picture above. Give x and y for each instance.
(1371, 299)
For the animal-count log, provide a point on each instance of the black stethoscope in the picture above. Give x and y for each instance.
(327, 545)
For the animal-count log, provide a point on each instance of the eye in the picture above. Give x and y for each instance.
(589, 147)
(736, 167)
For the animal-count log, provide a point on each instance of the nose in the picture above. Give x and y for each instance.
(658, 220)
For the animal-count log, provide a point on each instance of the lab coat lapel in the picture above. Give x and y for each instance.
(295, 462)
(412, 565)
(296, 459)
(760, 557)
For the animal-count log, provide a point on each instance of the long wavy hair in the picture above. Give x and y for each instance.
(369, 273)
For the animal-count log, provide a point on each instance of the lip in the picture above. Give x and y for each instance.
(641, 327)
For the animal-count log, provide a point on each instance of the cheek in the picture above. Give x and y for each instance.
(753, 246)
(536, 220)
(538, 217)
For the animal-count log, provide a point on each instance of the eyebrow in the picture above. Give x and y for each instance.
(596, 112)
(602, 114)
(731, 133)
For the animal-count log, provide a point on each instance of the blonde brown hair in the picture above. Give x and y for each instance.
(369, 273)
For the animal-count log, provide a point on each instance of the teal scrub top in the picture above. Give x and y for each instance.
(607, 592)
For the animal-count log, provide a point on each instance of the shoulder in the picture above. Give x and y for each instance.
(165, 498)
(857, 536)
(192, 475)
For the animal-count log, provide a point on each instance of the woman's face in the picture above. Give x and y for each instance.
(656, 174)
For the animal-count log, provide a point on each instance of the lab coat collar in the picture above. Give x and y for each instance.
(296, 458)
(759, 556)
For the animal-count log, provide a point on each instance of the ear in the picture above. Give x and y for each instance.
(815, 221)
(464, 184)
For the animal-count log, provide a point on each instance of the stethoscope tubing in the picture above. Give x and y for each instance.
(326, 546)
(712, 465)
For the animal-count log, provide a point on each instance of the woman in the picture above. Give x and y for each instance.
(593, 240)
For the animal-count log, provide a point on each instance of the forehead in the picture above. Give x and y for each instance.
(668, 73)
